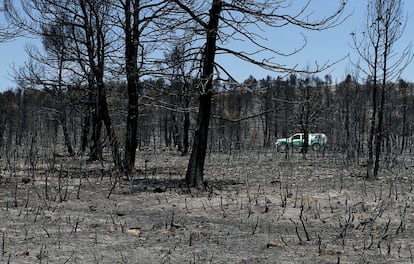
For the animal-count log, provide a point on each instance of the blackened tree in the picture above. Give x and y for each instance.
(384, 26)
(231, 20)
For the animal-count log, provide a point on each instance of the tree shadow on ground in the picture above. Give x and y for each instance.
(161, 185)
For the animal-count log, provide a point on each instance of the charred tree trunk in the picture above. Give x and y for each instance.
(266, 121)
(87, 120)
(379, 133)
(305, 120)
(131, 142)
(95, 43)
(186, 129)
(63, 120)
(103, 106)
(176, 133)
(131, 57)
(404, 120)
(165, 124)
(195, 169)
(305, 142)
(380, 129)
(96, 147)
(85, 129)
(372, 131)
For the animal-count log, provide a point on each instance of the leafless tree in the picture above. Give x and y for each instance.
(88, 35)
(180, 66)
(136, 20)
(403, 86)
(227, 21)
(8, 31)
(351, 103)
(384, 26)
(309, 107)
(48, 71)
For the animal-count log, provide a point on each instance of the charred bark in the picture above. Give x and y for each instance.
(186, 129)
(132, 41)
(195, 169)
(63, 120)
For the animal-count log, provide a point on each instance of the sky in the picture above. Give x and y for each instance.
(322, 46)
(329, 46)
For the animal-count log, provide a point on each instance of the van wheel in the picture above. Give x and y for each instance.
(316, 147)
(283, 147)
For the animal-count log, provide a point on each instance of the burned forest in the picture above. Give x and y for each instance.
(126, 140)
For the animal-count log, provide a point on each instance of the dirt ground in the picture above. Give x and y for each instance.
(258, 207)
